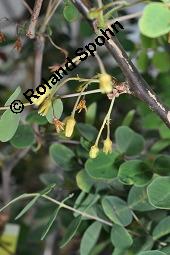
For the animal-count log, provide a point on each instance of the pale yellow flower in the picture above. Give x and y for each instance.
(105, 83)
(70, 124)
(44, 108)
(107, 148)
(94, 150)
(38, 101)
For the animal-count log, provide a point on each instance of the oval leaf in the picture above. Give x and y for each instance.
(8, 125)
(55, 111)
(120, 237)
(102, 167)
(62, 155)
(138, 200)
(153, 25)
(13, 96)
(128, 142)
(135, 172)
(155, 252)
(117, 210)
(71, 231)
(159, 192)
(162, 229)
(90, 238)
(23, 137)
(84, 182)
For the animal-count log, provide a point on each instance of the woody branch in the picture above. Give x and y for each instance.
(34, 18)
(137, 85)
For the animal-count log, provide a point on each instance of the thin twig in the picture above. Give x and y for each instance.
(34, 19)
(61, 204)
(50, 12)
(27, 6)
(39, 49)
(125, 17)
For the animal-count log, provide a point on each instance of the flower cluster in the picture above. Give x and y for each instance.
(106, 85)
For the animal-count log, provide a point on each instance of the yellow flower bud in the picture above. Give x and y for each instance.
(44, 108)
(70, 124)
(93, 13)
(107, 148)
(105, 83)
(94, 150)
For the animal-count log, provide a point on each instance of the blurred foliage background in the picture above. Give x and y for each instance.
(129, 188)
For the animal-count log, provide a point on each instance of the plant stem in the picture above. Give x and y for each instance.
(34, 19)
(61, 204)
(107, 117)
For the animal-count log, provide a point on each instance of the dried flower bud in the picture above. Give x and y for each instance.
(44, 108)
(2, 37)
(70, 124)
(107, 148)
(94, 150)
(59, 125)
(18, 44)
(105, 83)
(81, 106)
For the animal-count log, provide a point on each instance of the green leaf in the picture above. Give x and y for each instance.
(155, 252)
(128, 118)
(62, 155)
(120, 237)
(34, 117)
(13, 96)
(70, 12)
(87, 131)
(48, 189)
(71, 231)
(33, 201)
(8, 125)
(166, 1)
(27, 207)
(160, 145)
(102, 167)
(117, 210)
(23, 137)
(164, 131)
(55, 110)
(159, 192)
(84, 182)
(128, 141)
(161, 61)
(162, 229)
(87, 204)
(118, 251)
(153, 25)
(138, 199)
(134, 172)
(50, 223)
(91, 113)
(90, 238)
(143, 61)
(161, 165)
(147, 42)
(150, 121)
